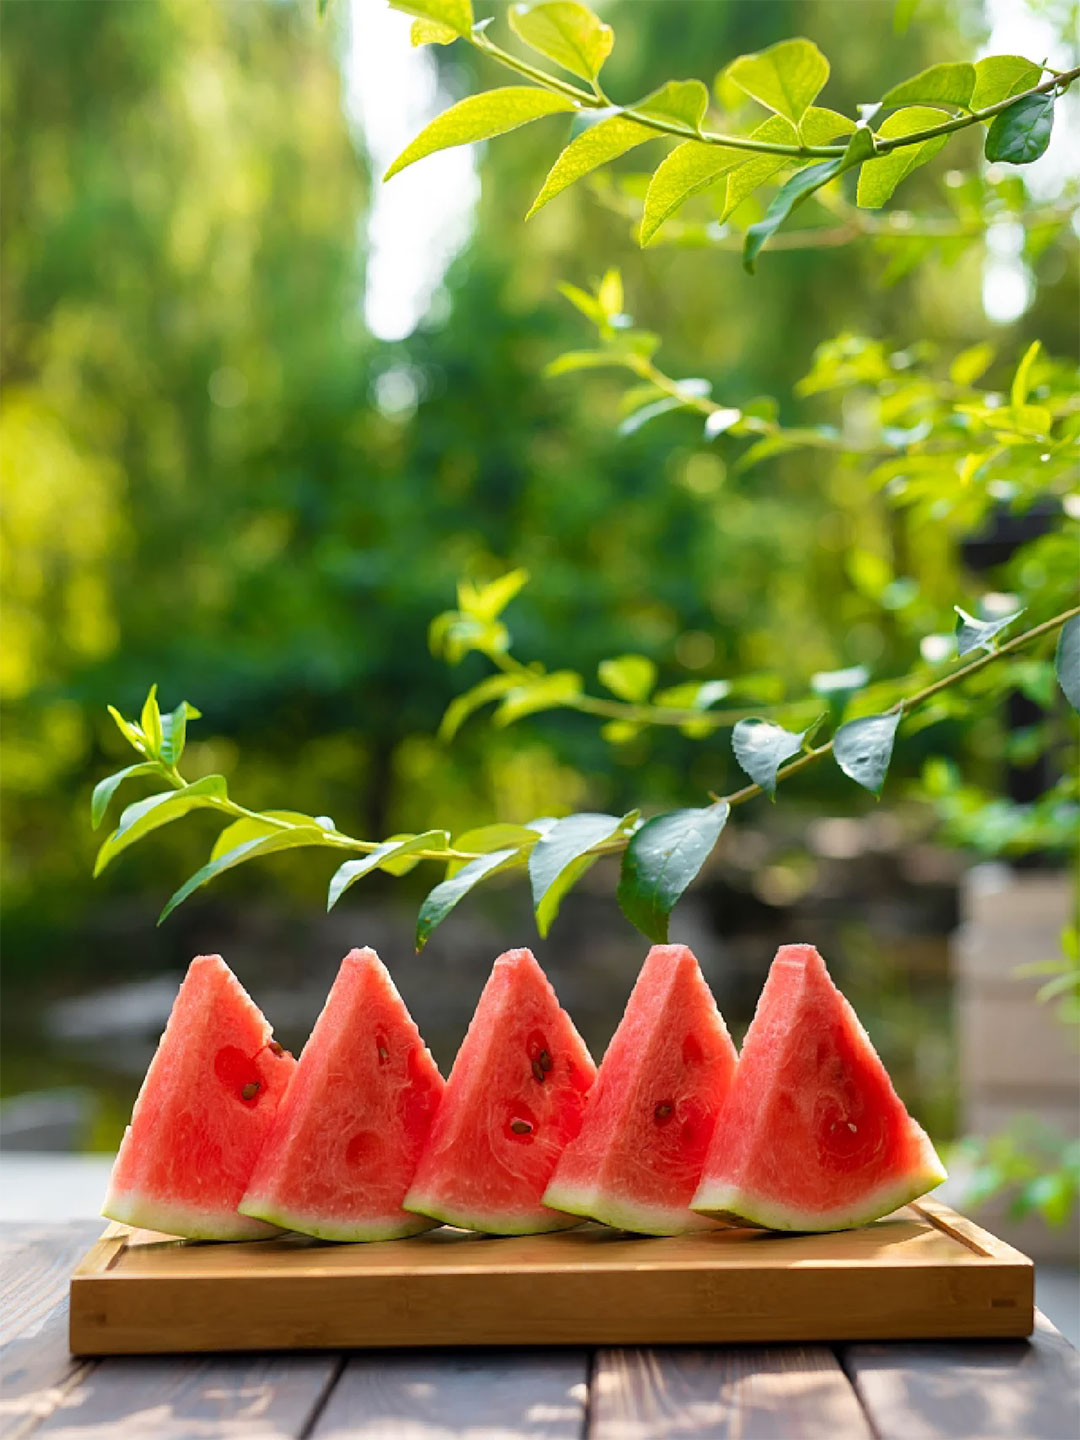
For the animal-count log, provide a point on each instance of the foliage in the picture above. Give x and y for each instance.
(1029, 1163)
(1006, 93)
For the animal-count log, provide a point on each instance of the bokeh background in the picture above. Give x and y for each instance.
(261, 412)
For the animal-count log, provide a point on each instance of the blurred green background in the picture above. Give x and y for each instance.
(260, 413)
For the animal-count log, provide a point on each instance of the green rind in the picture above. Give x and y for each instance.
(389, 1228)
(144, 1213)
(638, 1219)
(488, 1224)
(728, 1202)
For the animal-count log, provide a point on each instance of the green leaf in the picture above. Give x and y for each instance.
(972, 634)
(880, 176)
(786, 78)
(486, 838)
(595, 146)
(462, 706)
(546, 692)
(684, 101)
(1021, 385)
(456, 15)
(432, 32)
(761, 747)
(256, 827)
(489, 601)
(150, 722)
(130, 731)
(799, 188)
(559, 859)
(1067, 661)
(478, 117)
(157, 810)
(105, 789)
(1021, 133)
(863, 748)
(693, 166)
(446, 895)
(567, 33)
(947, 84)
(630, 677)
(661, 860)
(397, 848)
(589, 305)
(971, 364)
(174, 731)
(227, 859)
(820, 126)
(690, 168)
(649, 412)
(999, 76)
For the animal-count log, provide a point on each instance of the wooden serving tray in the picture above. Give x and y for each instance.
(922, 1273)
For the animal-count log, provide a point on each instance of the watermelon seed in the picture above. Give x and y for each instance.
(662, 1112)
(538, 1071)
(384, 1054)
(275, 1048)
(250, 1090)
(520, 1127)
(851, 1127)
(545, 1061)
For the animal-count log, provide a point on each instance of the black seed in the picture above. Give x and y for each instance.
(662, 1111)
(538, 1071)
(250, 1090)
(546, 1061)
(520, 1127)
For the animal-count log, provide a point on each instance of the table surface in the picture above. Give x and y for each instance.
(977, 1390)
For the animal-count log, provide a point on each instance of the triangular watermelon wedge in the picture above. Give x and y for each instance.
(514, 1099)
(812, 1136)
(638, 1158)
(205, 1107)
(354, 1119)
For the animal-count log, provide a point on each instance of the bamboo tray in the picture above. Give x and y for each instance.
(923, 1273)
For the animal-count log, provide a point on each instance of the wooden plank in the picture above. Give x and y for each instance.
(915, 1275)
(797, 1392)
(521, 1396)
(984, 1390)
(259, 1397)
(36, 1366)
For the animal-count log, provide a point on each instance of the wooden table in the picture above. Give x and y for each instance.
(979, 1390)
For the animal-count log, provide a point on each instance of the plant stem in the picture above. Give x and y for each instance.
(748, 792)
(596, 100)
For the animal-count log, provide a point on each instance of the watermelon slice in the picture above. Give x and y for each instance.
(514, 1099)
(638, 1158)
(354, 1119)
(204, 1110)
(812, 1135)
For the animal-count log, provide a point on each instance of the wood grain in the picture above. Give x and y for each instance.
(479, 1396)
(986, 1390)
(798, 1392)
(265, 1397)
(909, 1276)
(35, 1364)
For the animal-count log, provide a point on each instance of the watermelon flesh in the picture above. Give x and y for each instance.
(514, 1098)
(204, 1110)
(638, 1158)
(354, 1119)
(812, 1135)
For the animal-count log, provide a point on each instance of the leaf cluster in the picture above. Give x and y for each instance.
(799, 147)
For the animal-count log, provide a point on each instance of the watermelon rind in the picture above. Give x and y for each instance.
(624, 1215)
(502, 1223)
(740, 1207)
(144, 1213)
(392, 1227)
